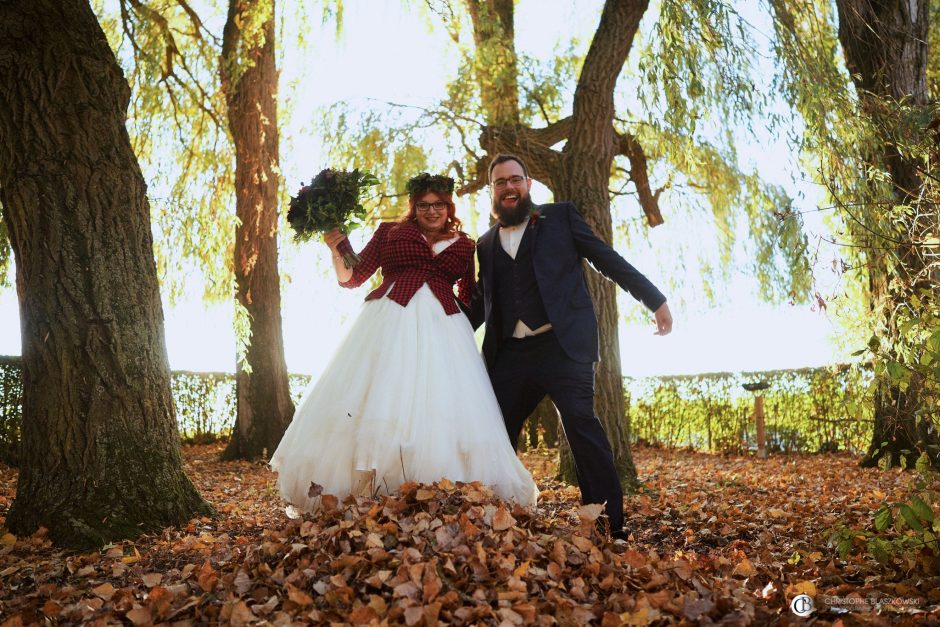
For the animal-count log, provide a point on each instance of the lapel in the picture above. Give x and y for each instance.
(487, 247)
(533, 230)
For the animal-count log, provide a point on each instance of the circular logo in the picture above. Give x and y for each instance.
(802, 605)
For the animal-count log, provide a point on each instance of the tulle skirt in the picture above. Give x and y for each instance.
(406, 397)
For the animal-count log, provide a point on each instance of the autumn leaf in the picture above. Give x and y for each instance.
(241, 615)
(502, 520)
(744, 568)
(298, 596)
(207, 577)
(801, 587)
(589, 513)
(105, 591)
(139, 616)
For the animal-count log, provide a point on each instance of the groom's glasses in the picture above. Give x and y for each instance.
(424, 207)
(502, 183)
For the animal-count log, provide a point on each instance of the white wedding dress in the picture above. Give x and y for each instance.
(406, 397)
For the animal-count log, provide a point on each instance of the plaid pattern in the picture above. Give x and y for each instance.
(407, 261)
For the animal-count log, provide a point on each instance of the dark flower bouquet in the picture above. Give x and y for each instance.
(331, 200)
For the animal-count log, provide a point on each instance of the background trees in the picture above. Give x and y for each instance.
(249, 81)
(870, 117)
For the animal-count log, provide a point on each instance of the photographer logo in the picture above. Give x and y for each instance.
(802, 605)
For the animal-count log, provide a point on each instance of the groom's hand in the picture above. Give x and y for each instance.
(663, 320)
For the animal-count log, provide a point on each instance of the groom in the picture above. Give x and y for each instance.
(541, 330)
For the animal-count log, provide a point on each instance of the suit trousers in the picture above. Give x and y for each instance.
(527, 369)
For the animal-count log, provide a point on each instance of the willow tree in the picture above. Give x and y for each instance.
(885, 49)
(100, 455)
(218, 95)
(691, 66)
(614, 154)
(870, 133)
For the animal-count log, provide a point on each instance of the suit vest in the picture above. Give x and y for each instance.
(516, 290)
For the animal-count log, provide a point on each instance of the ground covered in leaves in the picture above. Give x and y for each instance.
(714, 539)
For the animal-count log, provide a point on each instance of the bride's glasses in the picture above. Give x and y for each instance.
(424, 207)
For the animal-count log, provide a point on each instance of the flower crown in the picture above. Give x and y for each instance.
(424, 183)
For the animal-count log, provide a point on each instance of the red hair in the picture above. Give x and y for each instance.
(452, 226)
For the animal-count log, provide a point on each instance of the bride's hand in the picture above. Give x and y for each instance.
(333, 238)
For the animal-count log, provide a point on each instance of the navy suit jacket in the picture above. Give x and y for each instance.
(561, 240)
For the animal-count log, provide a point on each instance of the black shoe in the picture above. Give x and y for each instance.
(620, 534)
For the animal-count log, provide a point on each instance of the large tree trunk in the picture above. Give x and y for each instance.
(100, 456)
(885, 47)
(249, 80)
(583, 176)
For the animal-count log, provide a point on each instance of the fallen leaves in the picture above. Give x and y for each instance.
(712, 539)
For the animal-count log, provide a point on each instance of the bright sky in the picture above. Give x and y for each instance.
(367, 66)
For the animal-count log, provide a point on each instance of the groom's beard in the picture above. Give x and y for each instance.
(511, 216)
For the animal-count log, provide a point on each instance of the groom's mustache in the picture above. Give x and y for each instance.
(510, 216)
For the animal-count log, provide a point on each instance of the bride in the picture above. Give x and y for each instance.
(406, 397)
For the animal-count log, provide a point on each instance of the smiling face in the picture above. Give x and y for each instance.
(510, 189)
(431, 212)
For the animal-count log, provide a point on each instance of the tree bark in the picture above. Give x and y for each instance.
(583, 177)
(249, 81)
(100, 455)
(581, 173)
(497, 74)
(885, 48)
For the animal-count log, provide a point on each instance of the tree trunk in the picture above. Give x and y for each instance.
(885, 47)
(581, 173)
(494, 38)
(100, 455)
(249, 81)
(548, 416)
(583, 177)
(566, 469)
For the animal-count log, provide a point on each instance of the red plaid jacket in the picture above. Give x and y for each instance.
(407, 261)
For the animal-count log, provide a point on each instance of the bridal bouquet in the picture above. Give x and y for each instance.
(331, 200)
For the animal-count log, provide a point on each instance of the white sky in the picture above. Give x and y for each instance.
(383, 48)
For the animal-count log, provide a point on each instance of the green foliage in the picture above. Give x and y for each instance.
(700, 92)
(393, 155)
(250, 23)
(546, 85)
(241, 323)
(205, 404)
(805, 410)
(853, 137)
(6, 253)
(11, 407)
(699, 66)
(905, 342)
(904, 533)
